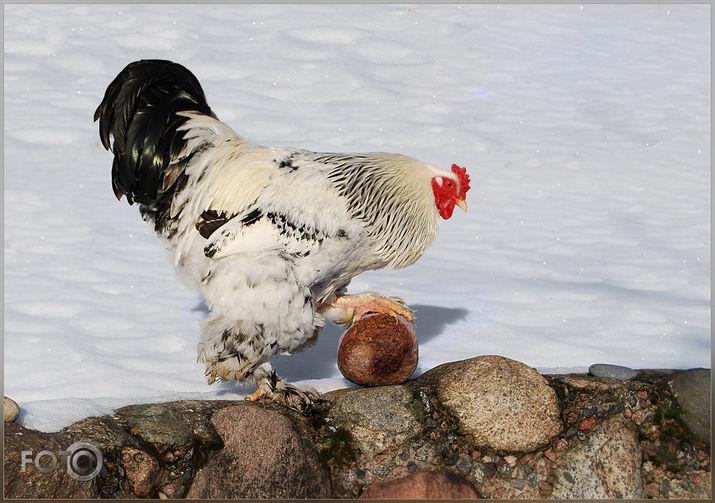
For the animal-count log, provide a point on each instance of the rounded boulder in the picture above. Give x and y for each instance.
(10, 410)
(264, 457)
(501, 403)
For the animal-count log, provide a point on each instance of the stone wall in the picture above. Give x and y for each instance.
(487, 427)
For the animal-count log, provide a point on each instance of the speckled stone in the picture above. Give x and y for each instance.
(157, 423)
(606, 465)
(608, 371)
(10, 410)
(142, 471)
(692, 390)
(378, 419)
(378, 350)
(33, 484)
(499, 402)
(264, 457)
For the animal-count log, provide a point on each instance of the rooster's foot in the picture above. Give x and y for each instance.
(281, 392)
(346, 308)
(256, 395)
(270, 385)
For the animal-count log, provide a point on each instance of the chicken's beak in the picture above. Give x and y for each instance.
(462, 204)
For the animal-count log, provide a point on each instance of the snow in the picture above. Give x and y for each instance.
(585, 129)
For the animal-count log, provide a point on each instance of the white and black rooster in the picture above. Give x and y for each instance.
(271, 236)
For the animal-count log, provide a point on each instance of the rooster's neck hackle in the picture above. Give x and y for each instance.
(391, 194)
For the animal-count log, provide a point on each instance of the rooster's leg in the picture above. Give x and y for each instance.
(269, 384)
(280, 391)
(346, 308)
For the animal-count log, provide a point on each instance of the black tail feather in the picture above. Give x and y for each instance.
(138, 121)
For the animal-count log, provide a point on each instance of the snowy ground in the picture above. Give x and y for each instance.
(586, 131)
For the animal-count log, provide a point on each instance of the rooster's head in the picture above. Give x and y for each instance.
(451, 191)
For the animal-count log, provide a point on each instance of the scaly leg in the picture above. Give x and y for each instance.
(346, 308)
(270, 386)
(280, 391)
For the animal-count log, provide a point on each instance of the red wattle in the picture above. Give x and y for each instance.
(443, 200)
(446, 209)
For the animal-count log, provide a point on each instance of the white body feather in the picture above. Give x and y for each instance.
(270, 236)
(324, 218)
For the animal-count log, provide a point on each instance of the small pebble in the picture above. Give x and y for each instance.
(451, 460)
(10, 410)
(489, 470)
(616, 408)
(526, 459)
(590, 411)
(504, 469)
(586, 423)
(421, 455)
(464, 466)
(478, 474)
(532, 480)
(404, 454)
(607, 371)
(425, 402)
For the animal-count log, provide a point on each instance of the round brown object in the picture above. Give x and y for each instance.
(378, 350)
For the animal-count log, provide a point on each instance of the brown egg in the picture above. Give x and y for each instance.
(378, 350)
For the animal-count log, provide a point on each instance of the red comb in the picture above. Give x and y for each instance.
(463, 180)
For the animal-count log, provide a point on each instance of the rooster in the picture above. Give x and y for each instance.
(270, 236)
